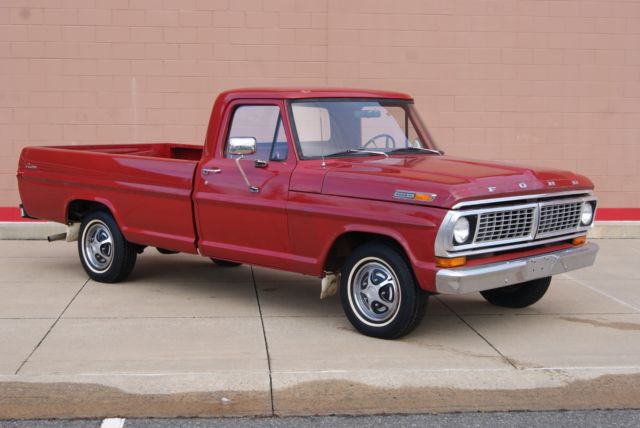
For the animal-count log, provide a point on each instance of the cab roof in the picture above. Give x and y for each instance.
(301, 93)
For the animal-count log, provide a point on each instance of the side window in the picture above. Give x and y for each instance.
(263, 123)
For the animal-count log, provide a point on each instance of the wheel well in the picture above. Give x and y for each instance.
(79, 208)
(346, 243)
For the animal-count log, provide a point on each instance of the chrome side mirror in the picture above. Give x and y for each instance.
(242, 146)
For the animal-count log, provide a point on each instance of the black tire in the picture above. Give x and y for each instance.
(225, 263)
(381, 312)
(105, 254)
(518, 295)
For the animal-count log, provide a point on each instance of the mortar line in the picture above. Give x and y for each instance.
(504, 357)
(266, 342)
(326, 43)
(52, 326)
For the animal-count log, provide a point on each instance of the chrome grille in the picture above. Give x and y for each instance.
(506, 224)
(559, 217)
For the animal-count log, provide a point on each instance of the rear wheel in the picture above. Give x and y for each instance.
(225, 263)
(105, 254)
(379, 294)
(518, 295)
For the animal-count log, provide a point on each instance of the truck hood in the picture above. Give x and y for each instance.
(450, 179)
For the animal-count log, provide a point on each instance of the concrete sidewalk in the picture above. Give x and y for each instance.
(183, 337)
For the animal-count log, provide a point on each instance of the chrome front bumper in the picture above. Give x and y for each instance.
(485, 277)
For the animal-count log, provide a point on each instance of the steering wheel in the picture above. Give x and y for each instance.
(389, 142)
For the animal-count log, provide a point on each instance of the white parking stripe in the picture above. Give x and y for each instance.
(113, 423)
(605, 294)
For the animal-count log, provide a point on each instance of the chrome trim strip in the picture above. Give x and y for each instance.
(495, 275)
(520, 198)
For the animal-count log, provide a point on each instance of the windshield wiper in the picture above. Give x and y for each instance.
(405, 150)
(354, 151)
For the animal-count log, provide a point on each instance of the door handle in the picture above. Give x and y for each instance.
(207, 171)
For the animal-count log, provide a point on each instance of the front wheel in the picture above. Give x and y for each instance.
(379, 294)
(105, 254)
(518, 295)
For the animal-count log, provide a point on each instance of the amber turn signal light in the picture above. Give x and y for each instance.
(425, 197)
(450, 263)
(579, 240)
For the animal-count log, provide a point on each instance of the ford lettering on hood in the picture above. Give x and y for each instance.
(450, 179)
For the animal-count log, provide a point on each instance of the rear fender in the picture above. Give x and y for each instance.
(90, 198)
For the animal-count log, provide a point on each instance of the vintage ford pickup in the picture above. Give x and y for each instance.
(346, 185)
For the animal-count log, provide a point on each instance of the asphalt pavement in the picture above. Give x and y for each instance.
(582, 419)
(185, 338)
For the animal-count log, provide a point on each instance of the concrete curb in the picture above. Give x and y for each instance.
(304, 394)
(616, 230)
(40, 230)
(29, 230)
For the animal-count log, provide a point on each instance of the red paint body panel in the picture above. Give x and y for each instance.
(317, 220)
(150, 197)
(12, 214)
(160, 197)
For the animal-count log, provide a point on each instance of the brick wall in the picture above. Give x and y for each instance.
(552, 83)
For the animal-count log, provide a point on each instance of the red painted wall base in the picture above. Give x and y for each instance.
(12, 214)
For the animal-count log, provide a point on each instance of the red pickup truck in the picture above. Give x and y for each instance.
(346, 185)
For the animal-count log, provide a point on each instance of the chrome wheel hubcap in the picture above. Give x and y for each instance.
(98, 246)
(375, 291)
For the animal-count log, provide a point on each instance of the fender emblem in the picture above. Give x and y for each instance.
(491, 189)
(551, 183)
(417, 196)
(522, 185)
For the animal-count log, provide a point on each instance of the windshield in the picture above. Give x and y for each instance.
(354, 127)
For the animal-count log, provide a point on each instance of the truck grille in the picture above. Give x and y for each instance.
(559, 217)
(504, 224)
(507, 224)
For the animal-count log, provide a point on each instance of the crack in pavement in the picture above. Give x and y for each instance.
(266, 342)
(51, 328)
(504, 357)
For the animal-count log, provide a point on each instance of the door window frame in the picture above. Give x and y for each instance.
(223, 137)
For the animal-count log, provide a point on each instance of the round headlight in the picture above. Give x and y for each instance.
(461, 230)
(587, 214)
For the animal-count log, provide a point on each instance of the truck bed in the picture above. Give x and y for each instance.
(156, 150)
(146, 186)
